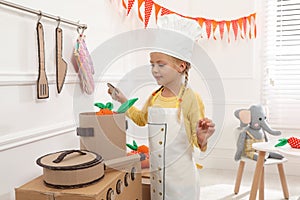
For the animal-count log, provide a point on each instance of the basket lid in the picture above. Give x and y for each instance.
(69, 160)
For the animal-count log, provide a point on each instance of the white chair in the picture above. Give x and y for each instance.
(269, 161)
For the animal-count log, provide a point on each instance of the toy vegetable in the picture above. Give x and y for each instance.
(293, 142)
(126, 105)
(104, 109)
(140, 149)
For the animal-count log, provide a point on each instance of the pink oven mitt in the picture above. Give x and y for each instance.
(85, 65)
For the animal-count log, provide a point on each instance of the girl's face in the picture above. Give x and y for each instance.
(166, 69)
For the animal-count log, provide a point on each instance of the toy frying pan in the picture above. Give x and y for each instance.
(126, 105)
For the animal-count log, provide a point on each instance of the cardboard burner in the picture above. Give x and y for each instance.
(103, 134)
(71, 168)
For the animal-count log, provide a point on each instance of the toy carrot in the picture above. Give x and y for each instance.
(143, 149)
(139, 149)
(104, 109)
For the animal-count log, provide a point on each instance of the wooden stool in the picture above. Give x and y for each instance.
(269, 161)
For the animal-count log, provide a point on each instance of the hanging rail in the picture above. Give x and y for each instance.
(40, 13)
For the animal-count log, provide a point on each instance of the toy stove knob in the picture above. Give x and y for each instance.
(133, 174)
(126, 179)
(119, 187)
(110, 194)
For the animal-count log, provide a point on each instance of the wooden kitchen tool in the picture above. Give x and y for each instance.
(61, 65)
(42, 82)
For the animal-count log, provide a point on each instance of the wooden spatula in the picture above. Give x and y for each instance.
(42, 82)
(61, 65)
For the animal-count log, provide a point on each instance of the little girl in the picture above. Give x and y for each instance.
(175, 117)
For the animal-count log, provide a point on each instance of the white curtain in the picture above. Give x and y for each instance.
(281, 88)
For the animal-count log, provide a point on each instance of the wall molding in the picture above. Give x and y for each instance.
(22, 79)
(30, 78)
(19, 79)
(14, 140)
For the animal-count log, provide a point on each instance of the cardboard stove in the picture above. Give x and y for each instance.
(121, 180)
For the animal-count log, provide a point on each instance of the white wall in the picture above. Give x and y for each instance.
(30, 128)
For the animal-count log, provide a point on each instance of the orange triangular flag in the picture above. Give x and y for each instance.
(148, 10)
(124, 4)
(200, 21)
(235, 28)
(250, 25)
(157, 9)
(228, 29)
(245, 26)
(140, 2)
(130, 4)
(208, 27)
(240, 23)
(215, 24)
(221, 28)
(254, 24)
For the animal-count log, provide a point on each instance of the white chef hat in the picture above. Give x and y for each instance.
(177, 36)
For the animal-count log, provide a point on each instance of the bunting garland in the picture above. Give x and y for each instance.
(244, 27)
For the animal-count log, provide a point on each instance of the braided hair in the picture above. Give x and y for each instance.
(186, 79)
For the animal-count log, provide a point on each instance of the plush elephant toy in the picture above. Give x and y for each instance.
(253, 126)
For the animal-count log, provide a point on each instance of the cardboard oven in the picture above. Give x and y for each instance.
(104, 134)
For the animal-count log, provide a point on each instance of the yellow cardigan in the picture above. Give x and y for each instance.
(192, 110)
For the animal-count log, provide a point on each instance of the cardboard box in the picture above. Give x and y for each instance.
(104, 134)
(36, 189)
(146, 184)
(146, 189)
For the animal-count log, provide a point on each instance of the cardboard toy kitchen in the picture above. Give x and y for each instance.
(100, 170)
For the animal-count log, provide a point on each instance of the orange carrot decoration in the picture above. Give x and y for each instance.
(139, 149)
(104, 109)
(143, 149)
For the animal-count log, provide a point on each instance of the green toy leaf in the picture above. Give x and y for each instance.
(282, 142)
(108, 105)
(99, 105)
(126, 105)
(131, 147)
(134, 143)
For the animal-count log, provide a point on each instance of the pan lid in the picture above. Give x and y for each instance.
(69, 160)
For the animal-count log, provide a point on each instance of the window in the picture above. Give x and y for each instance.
(281, 88)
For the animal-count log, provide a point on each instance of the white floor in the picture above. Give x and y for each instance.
(219, 185)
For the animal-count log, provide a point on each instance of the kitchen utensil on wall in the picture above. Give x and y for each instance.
(42, 81)
(61, 65)
(85, 65)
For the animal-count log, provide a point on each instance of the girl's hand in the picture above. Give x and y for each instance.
(116, 94)
(205, 129)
